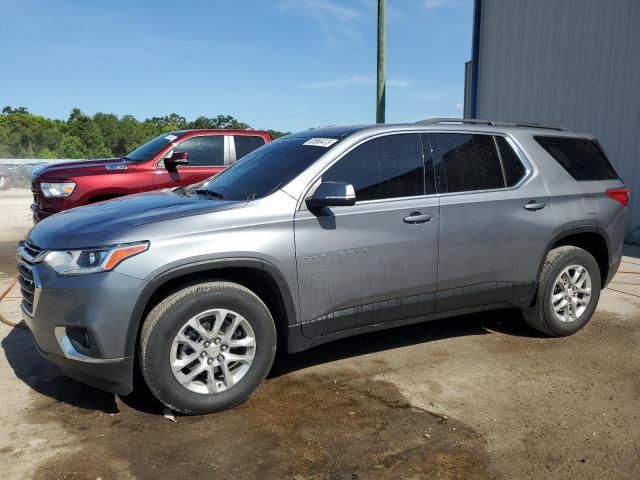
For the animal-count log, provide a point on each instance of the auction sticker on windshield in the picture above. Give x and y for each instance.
(320, 142)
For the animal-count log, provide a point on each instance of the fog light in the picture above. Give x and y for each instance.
(79, 338)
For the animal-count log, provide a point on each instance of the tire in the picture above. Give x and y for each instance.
(214, 389)
(541, 315)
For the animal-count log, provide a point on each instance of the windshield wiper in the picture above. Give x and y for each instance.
(211, 193)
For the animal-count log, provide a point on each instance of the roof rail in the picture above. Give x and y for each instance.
(477, 121)
(456, 120)
(529, 125)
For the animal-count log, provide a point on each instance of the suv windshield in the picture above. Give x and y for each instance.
(268, 168)
(151, 148)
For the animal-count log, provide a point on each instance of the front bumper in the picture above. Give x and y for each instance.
(113, 375)
(39, 214)
(100, 307)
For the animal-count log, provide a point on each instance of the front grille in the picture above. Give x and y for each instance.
(34, 192)
(28, 256)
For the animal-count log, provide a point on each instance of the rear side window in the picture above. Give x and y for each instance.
(204, 151)
(470, 161)
(384, 167)
(513, 168)
(247, 144)
(581, 157)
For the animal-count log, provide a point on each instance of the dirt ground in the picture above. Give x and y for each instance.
(479, 396)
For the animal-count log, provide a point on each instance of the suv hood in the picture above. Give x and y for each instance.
(65, 170)
(112, 222)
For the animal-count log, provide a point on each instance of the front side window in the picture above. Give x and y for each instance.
(470, 161)
(207, 151)
(384, 167)
(246, 144)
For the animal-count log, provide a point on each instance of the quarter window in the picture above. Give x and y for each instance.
(513, 168)
(204, 151)
(384, 167)
(246, 144)
(581, 157)
(470, 161)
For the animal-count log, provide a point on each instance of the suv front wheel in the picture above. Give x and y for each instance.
(568, 292)
(207, 347)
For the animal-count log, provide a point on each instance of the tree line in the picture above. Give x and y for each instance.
(25, 135)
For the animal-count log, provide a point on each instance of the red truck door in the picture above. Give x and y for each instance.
(207, 155)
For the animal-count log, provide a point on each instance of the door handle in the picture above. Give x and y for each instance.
(533, 206)
(417, 217)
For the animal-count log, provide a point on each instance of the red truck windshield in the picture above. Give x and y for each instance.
(151, 148)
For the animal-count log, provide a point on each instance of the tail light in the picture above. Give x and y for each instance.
(619, 195)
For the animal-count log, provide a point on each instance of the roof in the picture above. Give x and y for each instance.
(331, 131)
(446, 124)
(234, 131)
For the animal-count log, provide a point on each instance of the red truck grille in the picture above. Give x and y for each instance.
(34, 192)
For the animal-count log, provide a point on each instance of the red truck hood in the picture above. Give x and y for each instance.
(65, 170)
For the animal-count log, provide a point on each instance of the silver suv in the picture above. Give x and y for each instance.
(320, 235)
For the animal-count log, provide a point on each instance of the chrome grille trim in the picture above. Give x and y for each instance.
(34, 192)
(30, 286)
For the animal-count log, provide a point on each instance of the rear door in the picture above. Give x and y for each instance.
(495, 220)
(371, 263)
(207, 154)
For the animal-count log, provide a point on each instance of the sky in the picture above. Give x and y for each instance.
(281, 64)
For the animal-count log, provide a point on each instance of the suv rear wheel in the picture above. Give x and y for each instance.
(568, 292)
(207, 347)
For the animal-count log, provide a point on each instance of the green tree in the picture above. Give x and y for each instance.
(71, 147)
(7, 110)
(276, 134)
(24, 135)
(83, 127)
(46, 153)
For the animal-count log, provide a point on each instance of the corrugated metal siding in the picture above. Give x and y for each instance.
(574, 63)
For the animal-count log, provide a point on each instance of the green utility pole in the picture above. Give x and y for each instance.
(382, 47)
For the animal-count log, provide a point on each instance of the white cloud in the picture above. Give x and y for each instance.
(431, 4)
(431, 96)
(337, 20)
(394, 11)
(398, 83)
(340, 82)
(354, 80)
(459, 105)
(451, 5)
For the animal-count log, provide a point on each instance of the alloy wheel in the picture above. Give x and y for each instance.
(213, 351)
(571, 293)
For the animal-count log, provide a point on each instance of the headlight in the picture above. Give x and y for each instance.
(57, 190)
(78, 262)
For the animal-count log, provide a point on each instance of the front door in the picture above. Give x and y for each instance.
(206, 158)
(371, 263)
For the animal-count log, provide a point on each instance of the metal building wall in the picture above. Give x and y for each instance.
(574, 63)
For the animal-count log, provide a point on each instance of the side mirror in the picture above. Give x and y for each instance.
(177, 158)
(332, 194)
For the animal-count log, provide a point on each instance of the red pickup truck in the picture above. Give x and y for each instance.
(170, 160)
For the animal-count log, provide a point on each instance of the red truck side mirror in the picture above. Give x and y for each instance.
(177, 158)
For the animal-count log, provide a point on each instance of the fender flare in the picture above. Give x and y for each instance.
(176, 271)
(569, 230)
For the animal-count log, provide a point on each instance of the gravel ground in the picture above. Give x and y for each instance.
(479, 396)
